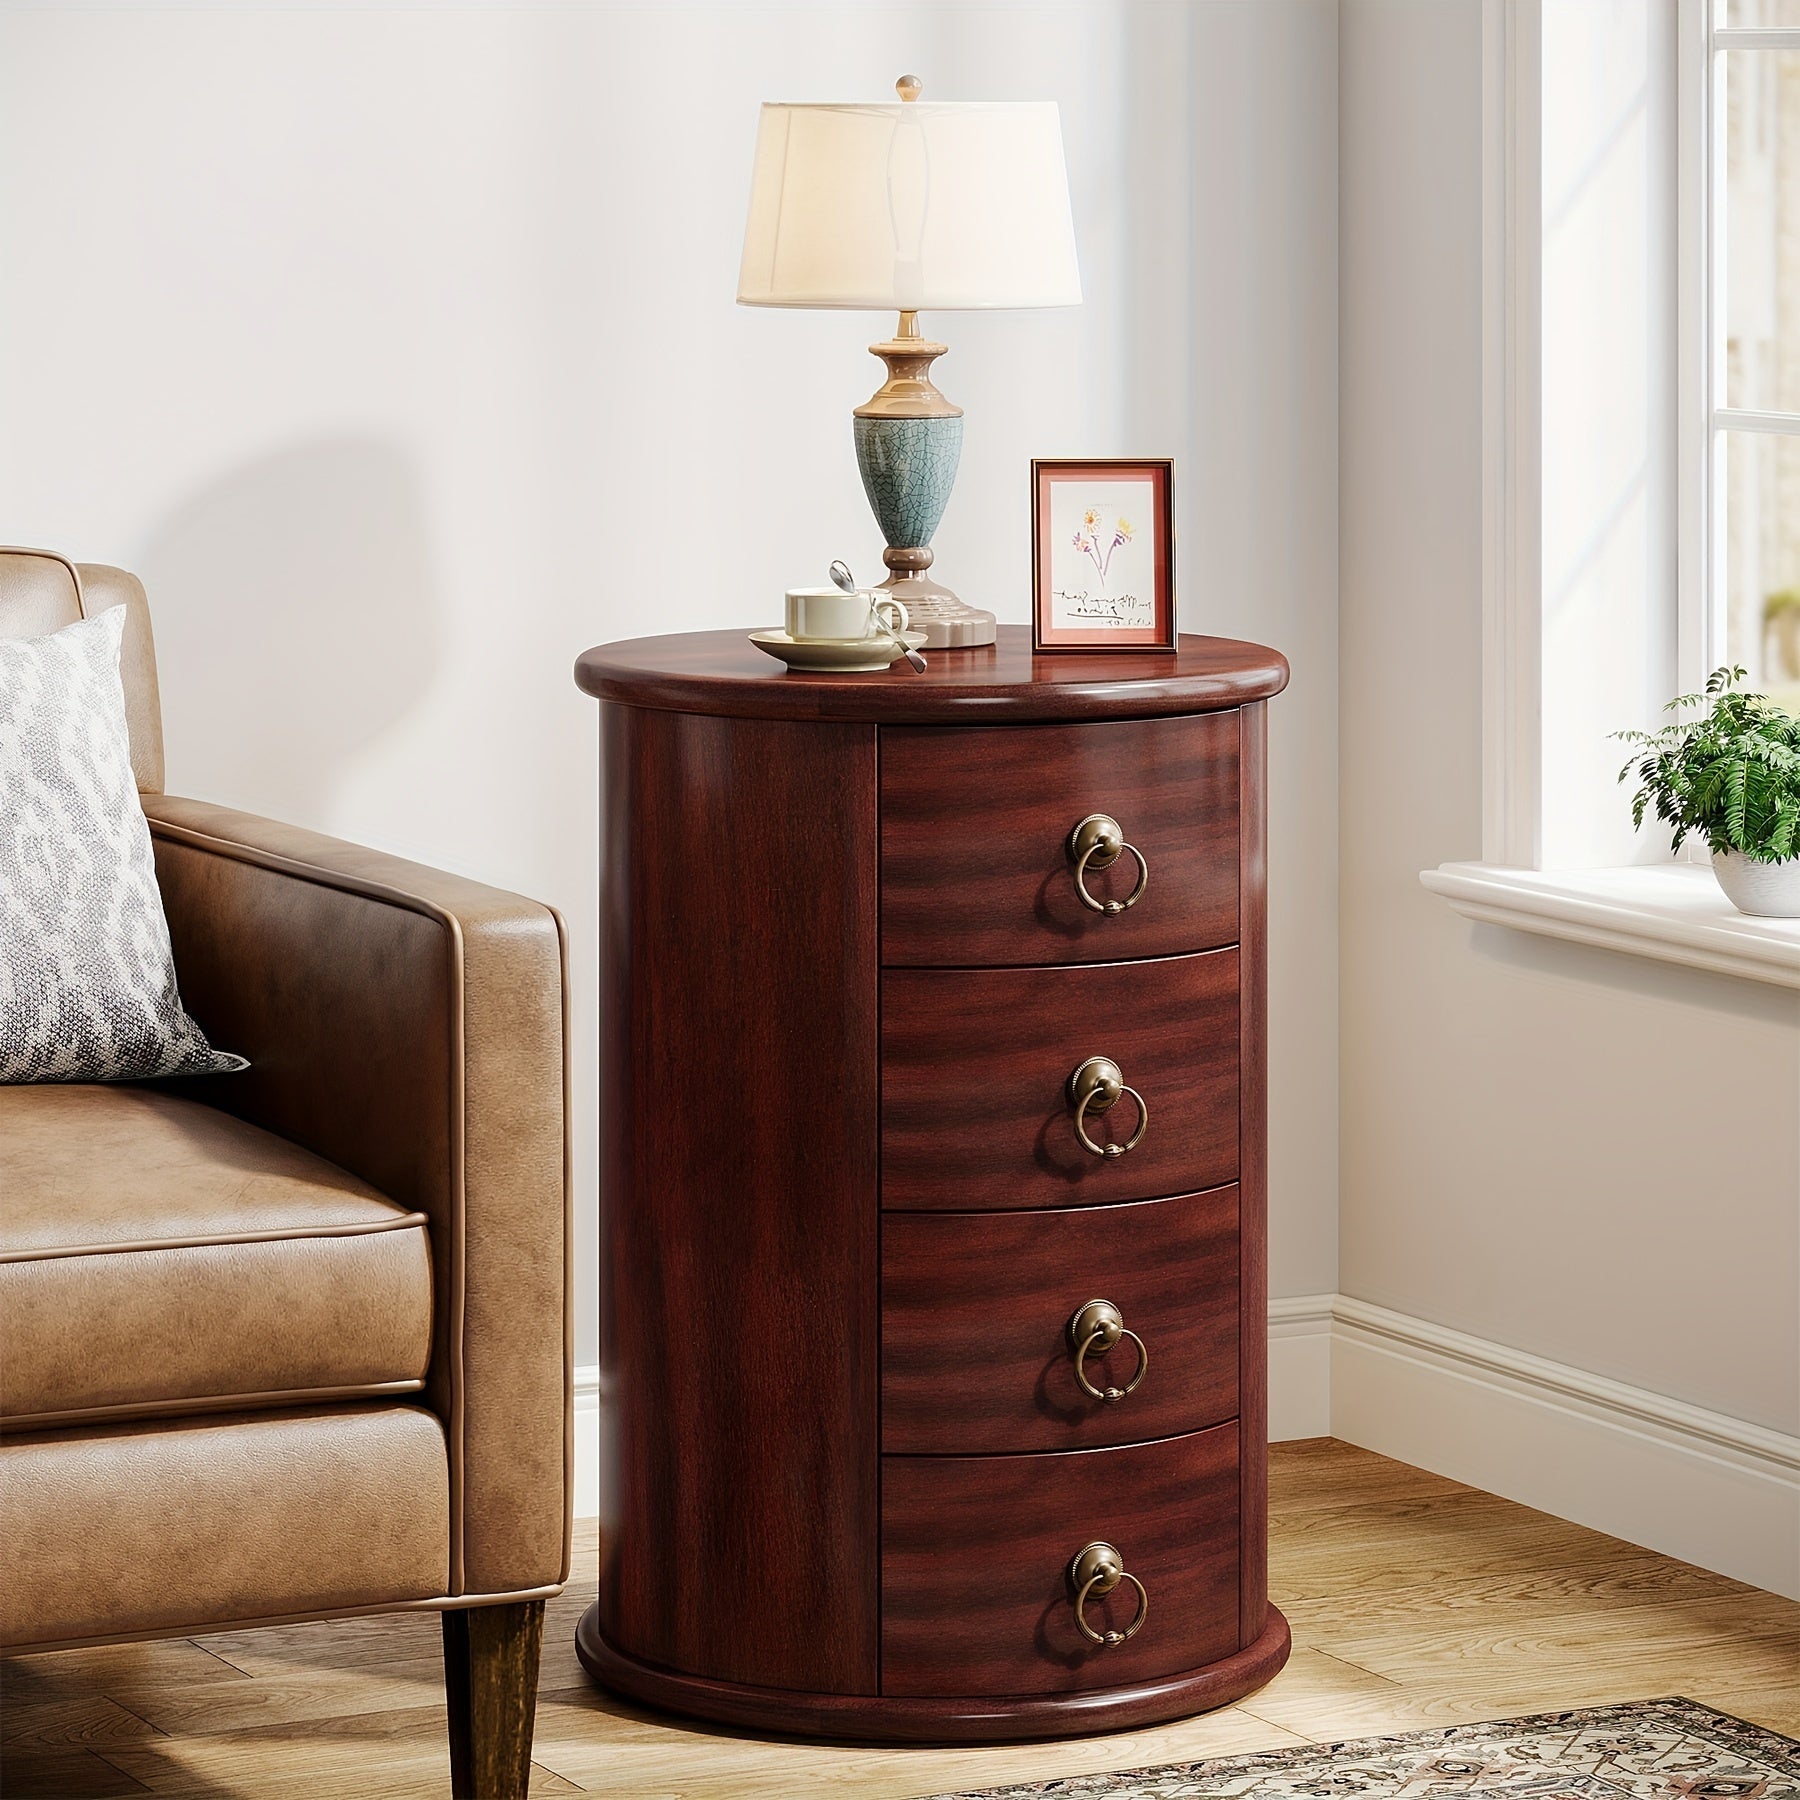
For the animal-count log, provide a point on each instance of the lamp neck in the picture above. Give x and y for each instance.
(908, 392)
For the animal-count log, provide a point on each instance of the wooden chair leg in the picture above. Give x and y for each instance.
(490, 1684)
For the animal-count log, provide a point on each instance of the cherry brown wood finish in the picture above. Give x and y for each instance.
(974, 1110)
(739, 1331)
(975, 1552)
(1253, 1163)
(777, 1103)
(908, 1719)
(974, 1355)
(974, 824)
(723, 673)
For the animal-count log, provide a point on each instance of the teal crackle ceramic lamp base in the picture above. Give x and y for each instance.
(909, 207)
(908, 443)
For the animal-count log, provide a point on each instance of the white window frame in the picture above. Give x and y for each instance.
(1511, 283)
(1699, 177)
(1669, 910)
(1704, 417)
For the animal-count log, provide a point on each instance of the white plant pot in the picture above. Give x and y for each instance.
(1767, 890)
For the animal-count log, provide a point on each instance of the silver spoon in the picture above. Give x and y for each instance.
(841, 578)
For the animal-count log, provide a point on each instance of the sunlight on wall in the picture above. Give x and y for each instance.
(396, 348)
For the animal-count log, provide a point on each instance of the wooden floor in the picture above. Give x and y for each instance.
(1414, 1602)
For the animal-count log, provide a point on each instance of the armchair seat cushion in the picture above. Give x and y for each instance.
(160, 1256)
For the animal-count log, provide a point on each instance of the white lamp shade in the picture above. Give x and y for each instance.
(911, 206)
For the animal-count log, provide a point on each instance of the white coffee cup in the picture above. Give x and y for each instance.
(827, 612)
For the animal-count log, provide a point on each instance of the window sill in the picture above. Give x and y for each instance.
(1672, 911)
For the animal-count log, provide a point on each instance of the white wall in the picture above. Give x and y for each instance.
(395, 348)
(1586, 1156)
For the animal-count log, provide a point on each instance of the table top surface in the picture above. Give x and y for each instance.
(722, 672)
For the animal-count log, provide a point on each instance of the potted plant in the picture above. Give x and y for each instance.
(1732, 776)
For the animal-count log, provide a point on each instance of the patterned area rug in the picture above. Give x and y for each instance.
(1649, 1750)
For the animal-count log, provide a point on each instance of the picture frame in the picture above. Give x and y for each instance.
(1103, 554)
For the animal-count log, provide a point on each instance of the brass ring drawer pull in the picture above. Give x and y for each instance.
(1099, 1325)
(1093, 1088)
(1098, 1569)
(1098, 843)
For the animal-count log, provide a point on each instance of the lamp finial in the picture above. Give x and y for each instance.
(909, 87)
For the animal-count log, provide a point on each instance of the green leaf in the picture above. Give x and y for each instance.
(1731, 773)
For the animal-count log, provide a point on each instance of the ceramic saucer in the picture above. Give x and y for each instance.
(834, 656)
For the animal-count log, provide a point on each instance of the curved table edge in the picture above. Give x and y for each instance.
(896, 700)
(905, 1719)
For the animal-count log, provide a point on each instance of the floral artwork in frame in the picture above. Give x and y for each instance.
(1103, 555)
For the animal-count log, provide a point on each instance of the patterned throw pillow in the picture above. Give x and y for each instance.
(87, 979)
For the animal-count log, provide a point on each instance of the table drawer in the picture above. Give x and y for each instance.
(974, 824)
(975, 1350)
(975, 1554)
(975, 1065)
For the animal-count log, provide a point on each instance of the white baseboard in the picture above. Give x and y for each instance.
(1300, 1367)
(587, 1441)
(1694, 1484)
(1690, 1483)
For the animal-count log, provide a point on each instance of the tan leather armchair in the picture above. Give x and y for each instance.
(294, 1343)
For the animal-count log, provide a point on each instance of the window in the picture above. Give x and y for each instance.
(1641, 443)
(1749, 578)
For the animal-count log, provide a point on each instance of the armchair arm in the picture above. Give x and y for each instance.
(410, 1026)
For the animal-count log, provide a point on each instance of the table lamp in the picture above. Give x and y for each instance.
(912, 206)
